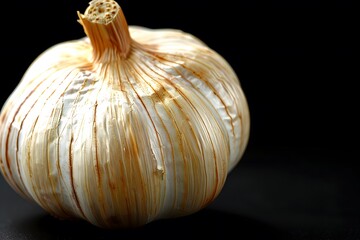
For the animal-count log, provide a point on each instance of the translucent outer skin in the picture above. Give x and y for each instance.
(126, 141)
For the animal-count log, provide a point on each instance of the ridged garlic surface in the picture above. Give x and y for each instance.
(125, 126)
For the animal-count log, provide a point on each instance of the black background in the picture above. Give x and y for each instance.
(295, 60)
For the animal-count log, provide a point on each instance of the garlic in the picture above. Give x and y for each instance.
(124, 126)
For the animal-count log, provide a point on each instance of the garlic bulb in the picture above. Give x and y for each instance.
(124, 126)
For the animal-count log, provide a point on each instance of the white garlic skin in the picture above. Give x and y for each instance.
(127, 141)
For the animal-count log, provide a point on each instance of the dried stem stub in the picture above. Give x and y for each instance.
(102, 11)
(105, 25)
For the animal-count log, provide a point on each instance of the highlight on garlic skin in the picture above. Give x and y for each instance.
(124, 126)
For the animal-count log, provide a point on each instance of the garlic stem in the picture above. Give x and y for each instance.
(105, 25)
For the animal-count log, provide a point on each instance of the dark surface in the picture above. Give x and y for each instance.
(295, 59)
(270, 195)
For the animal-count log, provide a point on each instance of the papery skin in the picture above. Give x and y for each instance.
(121, 142)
